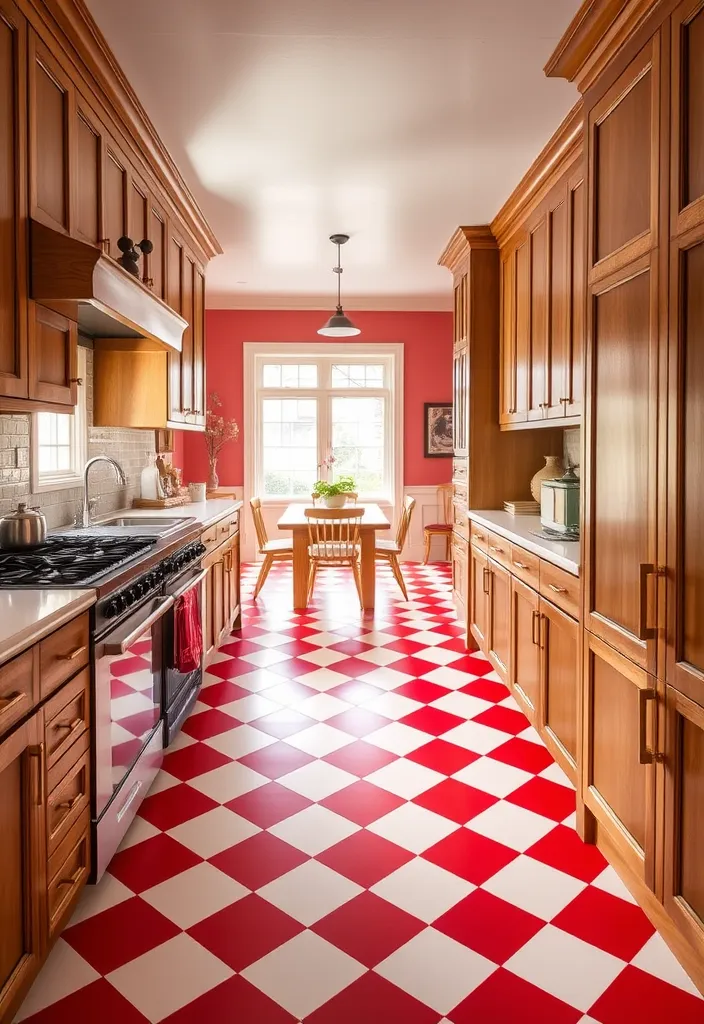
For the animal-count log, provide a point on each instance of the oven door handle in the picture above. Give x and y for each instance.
(121, 646)
(192, 583)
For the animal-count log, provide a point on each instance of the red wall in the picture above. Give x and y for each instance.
(427, 340)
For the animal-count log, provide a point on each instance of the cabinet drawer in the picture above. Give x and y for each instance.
(63, 766)
(234, 521)
(525, 566)
(69, 868)
(63, 653)
(459, 470)
(68, 800)
(500, 550)
(560, 587)
(223, 530)
(479, 536)
(16, 690)
(67, 716)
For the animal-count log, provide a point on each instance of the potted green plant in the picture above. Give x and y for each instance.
(334, 495)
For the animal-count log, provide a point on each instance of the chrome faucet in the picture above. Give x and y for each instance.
(119, 473)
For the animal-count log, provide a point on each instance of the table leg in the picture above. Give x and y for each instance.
(300, 569)
(368, 539)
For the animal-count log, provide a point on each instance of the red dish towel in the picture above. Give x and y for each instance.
(188, 632)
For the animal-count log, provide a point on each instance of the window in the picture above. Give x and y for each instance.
(59, 443)
(308, 425)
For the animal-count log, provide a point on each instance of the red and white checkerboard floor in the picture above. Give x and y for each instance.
(357, 826)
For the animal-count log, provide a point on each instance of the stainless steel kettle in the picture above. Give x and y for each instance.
(25, 528)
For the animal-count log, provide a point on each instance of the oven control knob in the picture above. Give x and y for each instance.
(128, 597)
(111, 609)
(200, 549)
(140, 588)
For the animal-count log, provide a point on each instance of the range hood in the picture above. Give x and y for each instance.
(78, 281)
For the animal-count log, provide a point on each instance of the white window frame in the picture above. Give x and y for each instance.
(258, 353)
(78, 441)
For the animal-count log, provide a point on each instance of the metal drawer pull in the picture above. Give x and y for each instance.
(69, 726)
(536, 620)
(75, 653)
(556, 589)
(645, 754)
(8, 703)
(73, 880)
(521, 565)
(194, 583)
(70, 804)
(479, 536)
(493, 547)
(120, 646)
(38, 753)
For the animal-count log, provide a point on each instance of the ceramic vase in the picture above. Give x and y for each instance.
(552, 470)
(335, 500)
(213, 481)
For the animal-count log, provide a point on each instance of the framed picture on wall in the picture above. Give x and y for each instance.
(438, 430)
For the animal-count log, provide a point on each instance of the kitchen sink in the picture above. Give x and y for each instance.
(122, 525)
(163, 525)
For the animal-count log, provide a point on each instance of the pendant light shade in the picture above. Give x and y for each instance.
(339, 325)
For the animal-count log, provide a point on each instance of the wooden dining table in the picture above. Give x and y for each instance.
(294, 519)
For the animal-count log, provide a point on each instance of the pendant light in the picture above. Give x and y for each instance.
(339, 326)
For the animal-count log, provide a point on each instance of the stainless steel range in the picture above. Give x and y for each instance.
(140, 696)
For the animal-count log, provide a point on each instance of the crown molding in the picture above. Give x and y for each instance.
(463, 241)
(564, 149)
(412, 303)
(598, 31)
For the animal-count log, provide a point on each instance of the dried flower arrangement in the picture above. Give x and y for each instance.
(218, 433)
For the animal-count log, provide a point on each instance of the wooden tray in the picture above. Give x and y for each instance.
(182, 499)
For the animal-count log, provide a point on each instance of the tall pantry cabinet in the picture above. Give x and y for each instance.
(643, 467)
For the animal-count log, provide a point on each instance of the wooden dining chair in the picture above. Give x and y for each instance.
(333, 539)
(389, 550)
(273, 550)
(443, 528)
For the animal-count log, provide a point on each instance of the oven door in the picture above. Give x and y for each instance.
(128, 678)
(181, 682)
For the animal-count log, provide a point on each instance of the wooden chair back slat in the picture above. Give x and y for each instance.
(404, 523)
(259, 526)
(333, 533)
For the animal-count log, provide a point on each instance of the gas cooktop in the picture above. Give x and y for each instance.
(69, 561)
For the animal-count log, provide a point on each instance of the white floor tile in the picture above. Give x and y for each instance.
(478, 738)
(323, 679)
(169, 976)
(461, 704)
(322, 706)
(317, 780)
(379, 656)
(656, 958)
(162, 782)
(314, 829)
(240, 741)
(271, 640)
(320, 740)
(231, 780)
(440, 656)
(609, 881)
(63, 973)
(423, 889)
(97, 898)
(379, 639)
(428, 638)
(195, 894)
(565, 966)
(304, 973)
(534, 887)
(213, 832)
(323, 657)
(412, 827)
(180, 741)
(139, 831)
(310, 892)
(531, 736)
(436, 970)
(323, 639)
(386, 677)
(553, 773)
(511, 825)
(492, 776)
(257, 679)
(405, 778)
(248, 709)
(263, 659)
(398, 738)
(392, 705)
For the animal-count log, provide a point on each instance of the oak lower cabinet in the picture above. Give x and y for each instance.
(559, 686)
(221, 605)
(478, 617)
(460, 576)
(498, 617)
(524, 661)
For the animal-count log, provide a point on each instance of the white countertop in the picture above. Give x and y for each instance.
(28, 615)
(521, 530)
(206, 512)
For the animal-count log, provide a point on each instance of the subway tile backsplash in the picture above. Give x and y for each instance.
(128, 447)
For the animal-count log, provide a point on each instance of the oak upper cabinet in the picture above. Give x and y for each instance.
(478, 597)
(51, 123)
(115, 198)
(515, 332)
(618, 755)
(620, 476)
(559, 681)
(186, 294)
(460, 369)
(53, 357)
(23, 887)
(573, 349)
(87, 176)
(539, 348)
(499, 618)
(156, 261)
(13, 194)
(138, 211)
(524, 662)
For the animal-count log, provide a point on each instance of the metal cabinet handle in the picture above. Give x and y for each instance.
(645, 632)
(564, 401)
(75, 653)
(13, 701)
(70, 804)
(120, 646)
(556, 589)
(521, 565)
(75, 724)
(535, 622)
(498, 550)
(73, 880)
(485, 580)
(193, 583)
(543, 634)
(76, 380)
(645, 754)
(37, 753)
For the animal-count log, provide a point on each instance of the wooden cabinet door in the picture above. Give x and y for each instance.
(13, 199)
(620, 477)
(53, 357)
(515, 333)
(156, 261)
(51, 119)
(687, 145)
(618, 770)
(558, 348)
(460, 370)
(187, 304)
(209, 639)
(23, 882)
(538, 379)
(218, 594)
(175, 298)
(87, 177)
(559, 684)
(684, 824)
(524, 662)
(235, 585)
(478, 597)
(460, 582)
(499, 635)
(115, 192)
(199, 402)
(571, 396)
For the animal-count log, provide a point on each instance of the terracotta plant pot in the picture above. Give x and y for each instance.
(335, 500)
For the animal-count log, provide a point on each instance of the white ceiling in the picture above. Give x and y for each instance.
(392, 120)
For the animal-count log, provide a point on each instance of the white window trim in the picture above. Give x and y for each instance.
(290, 352)
(79, 444)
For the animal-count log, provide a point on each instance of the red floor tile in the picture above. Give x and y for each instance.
(531, 757)
(365, 858)
(432, 721)
(443, 757)
(606, 921)
(422, 690)
(474, 666)
(120, 934)
(190, 762)
(146, 864)
(351, 647)
(455, 800)
(489, 926)
(368, 928)
(503, 719)
(227, 670)
(173, 806)
(258, 860)
(485, 689)
(233, 1002)
(546, 798)
(243, 933)
(403, 646)
(470, 856)
(373, 1000)
(637, 996)
(414, 666)
(360, 758)
(209, 723)
(276, 760)
(353, 667)
(98, 1001)
(505, 999)
(562, 848)
(362, 802)
(268, 805)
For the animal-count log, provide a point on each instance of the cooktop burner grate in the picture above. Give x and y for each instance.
(69, 561)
